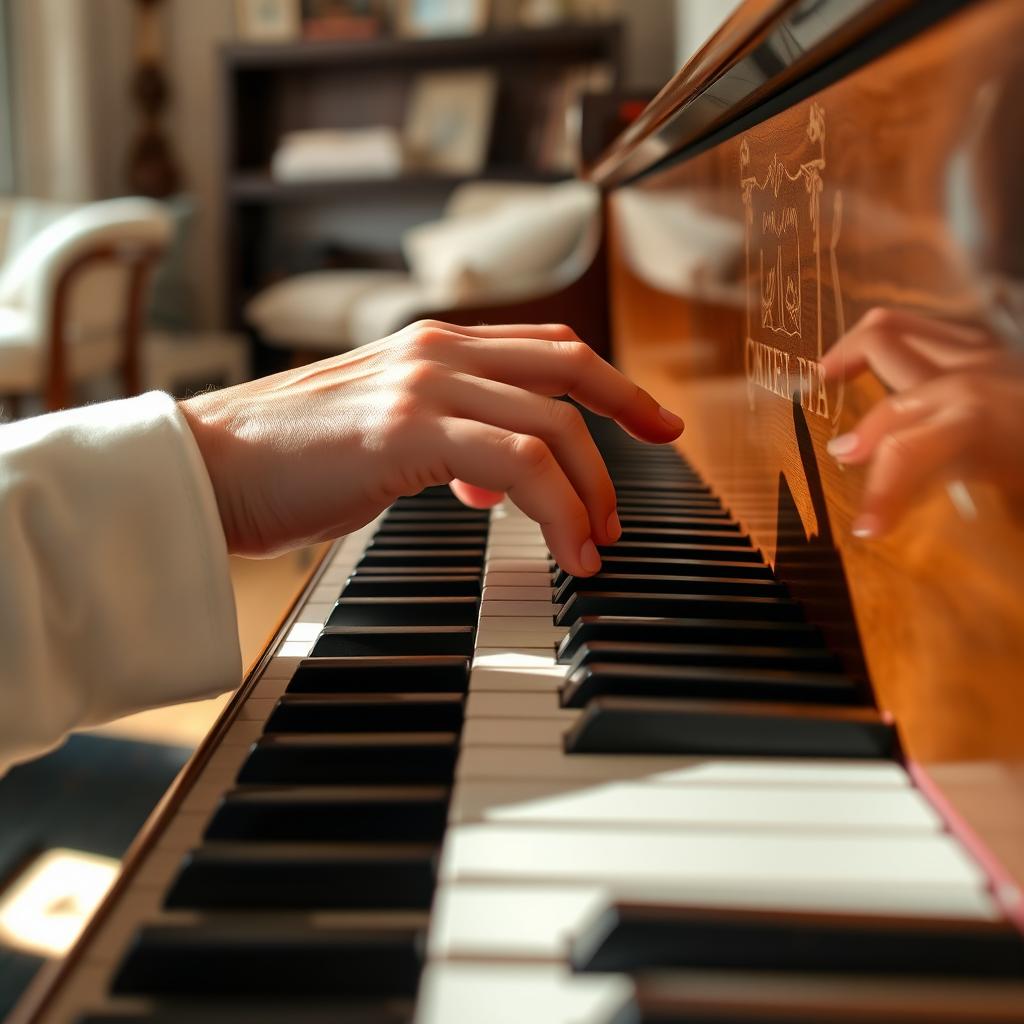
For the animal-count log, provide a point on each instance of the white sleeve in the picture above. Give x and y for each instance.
(114, 586)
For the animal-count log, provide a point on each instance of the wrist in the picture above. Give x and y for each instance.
(211, 436)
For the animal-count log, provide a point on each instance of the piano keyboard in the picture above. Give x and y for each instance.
(474, 789)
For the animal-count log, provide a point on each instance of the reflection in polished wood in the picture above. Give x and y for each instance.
(912, 200)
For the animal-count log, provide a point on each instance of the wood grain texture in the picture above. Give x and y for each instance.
(895, 187)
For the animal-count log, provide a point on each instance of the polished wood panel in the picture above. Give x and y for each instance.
(732, 273)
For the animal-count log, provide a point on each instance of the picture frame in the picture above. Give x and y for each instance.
(268, 21)
(448, 121)
(419, 18)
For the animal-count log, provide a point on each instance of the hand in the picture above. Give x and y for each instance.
(317, 452)
(956, 411)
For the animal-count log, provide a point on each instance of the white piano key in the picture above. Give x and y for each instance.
(304, 632)
(540, 579)
(517, 764)
(536, 593)
(452, 993)
(781, 806)
(519, 551)
(543, 609)
(295, 649)
(518, 657)
(478, 920)
(532, 853)
(517, 564)
(526, 680)
(515, 633)
(510, 704)
(516, 732)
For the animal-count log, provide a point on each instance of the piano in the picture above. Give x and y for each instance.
(757, 770)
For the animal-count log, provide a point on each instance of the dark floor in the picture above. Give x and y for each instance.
(93, 794)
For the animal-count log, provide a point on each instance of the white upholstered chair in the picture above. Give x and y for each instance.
(73, 291)
(501, 250)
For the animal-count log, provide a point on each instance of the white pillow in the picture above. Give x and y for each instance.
(522, 237)
(312, 310)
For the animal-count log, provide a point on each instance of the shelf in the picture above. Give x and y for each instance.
(259, 188)
(590, 41)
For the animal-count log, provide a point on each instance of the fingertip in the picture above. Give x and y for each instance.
(590, 560)
(843, 447)
(674, 422)
(475, 497)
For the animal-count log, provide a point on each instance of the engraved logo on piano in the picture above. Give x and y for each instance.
(785, 332)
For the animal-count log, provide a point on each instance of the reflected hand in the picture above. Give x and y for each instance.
(319, 451)
(957, 409)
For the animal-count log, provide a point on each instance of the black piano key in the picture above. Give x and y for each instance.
(283, 876)
(795, 659)
(403, 611)
(610, 602)
(703, 537)
(676, 521)
(631, 937)
(651, 584)
(246, 957)
(618, 564)
(638, 725)
(360, 585)
(737, 551)
(368, 641)
(414, 813)
(431, 674)
(379, 712)
(633, 508)
(719, 997)
(472, 558)
(744, 633)
(355, 758)
(716, 684)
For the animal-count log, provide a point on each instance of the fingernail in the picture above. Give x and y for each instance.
(866, 526)
(842, 445)
(670, 418)
(589, 558)
(614, 526)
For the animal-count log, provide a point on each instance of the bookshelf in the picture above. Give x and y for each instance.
(276, 228)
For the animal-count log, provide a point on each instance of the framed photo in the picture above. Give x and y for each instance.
(448, 121)
(268, 21)
(441, 17)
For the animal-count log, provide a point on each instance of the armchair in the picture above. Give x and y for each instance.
(72, 295)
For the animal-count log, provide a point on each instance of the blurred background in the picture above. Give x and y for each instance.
(196, 191)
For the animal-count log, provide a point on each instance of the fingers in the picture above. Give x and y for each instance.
(896, 413)
(558, 424)
(542, 332)
(905, 349)
(523, 466)
(475, 497)
(904, 464)
(570, 368)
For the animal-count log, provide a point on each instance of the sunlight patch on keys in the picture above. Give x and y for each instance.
(715, 856)
(480, 920)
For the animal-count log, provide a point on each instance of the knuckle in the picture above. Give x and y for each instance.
(579, 355)
(564, 418)
(561, 332)
(529, 451)
(879, 318)
(420, 375)
(427, 334)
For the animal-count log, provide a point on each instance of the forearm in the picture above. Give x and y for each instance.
(115, 593)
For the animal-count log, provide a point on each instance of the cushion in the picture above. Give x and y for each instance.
(523, 236)
(312, 310)
(24, 357)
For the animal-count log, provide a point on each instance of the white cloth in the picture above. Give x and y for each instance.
(335, 154)
(114, 590)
